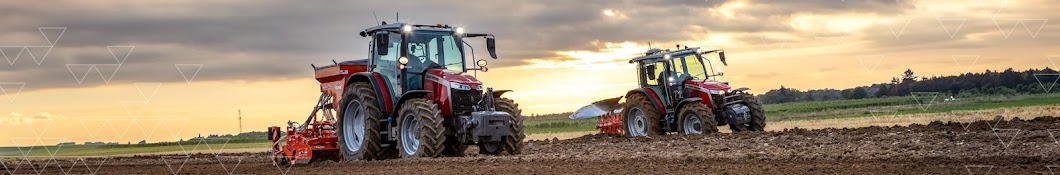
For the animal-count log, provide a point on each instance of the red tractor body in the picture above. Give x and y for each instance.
(411, 98)
(679, 93)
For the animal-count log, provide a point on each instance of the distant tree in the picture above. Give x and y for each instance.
(858, 93)
(883, 91)
(988, 82)
(908, 77)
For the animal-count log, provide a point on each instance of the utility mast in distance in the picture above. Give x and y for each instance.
(240, 120)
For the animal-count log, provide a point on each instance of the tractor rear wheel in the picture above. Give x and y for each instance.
(758, 116)
(513, 145)
(420, 130)
(358, 125)
(640, 118)
(696, 118)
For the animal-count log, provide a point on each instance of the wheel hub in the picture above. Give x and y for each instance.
(693, 124)
(639, 125)
(353, 126)
(410, 134)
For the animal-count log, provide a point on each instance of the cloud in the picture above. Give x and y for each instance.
(246, 40)
(14, 118)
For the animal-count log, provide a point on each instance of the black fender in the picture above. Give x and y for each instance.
(379, 85)
(498, 93)
(413, 94)
(686, 101)
(654, 98)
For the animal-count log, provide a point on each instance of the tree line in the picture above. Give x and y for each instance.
(1007, 82)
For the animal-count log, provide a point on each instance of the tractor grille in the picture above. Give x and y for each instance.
(718, 101)
(464, 101)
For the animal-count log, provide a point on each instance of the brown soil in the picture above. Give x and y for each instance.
(984, 147)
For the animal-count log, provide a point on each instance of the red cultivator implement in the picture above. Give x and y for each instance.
(317, 137)
(608, 113)
(610, 124)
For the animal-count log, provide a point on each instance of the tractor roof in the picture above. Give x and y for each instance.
(397, 27)
(657, 54)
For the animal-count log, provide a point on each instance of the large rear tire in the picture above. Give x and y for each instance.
(513, 145)
(696, 118)
(640, 118)
(358, 128)
(420, 130)
(758, 116)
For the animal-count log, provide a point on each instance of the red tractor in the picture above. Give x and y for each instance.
(412, 98)
(679, 93)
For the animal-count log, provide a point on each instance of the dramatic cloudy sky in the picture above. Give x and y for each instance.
(192, 65)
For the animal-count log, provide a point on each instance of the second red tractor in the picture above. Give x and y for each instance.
(679, 93)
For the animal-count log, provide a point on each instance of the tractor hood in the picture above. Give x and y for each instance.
(709, 84)
(456, 77)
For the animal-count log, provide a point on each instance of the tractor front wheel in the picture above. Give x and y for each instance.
(758, 116)
(420, 131)
(490, 148)
(514, 144)
(696, 118)
(453, 147)
(358, 123)
(640, 117)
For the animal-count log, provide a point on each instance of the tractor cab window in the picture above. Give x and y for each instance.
(427, 48)
(695, 68)
(386, 64)
(656, 70)
(389, 60)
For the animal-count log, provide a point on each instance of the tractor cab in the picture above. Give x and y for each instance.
(680, 74)
(407, 54)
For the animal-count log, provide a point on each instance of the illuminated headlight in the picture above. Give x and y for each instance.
(459, 30)
(459, 86)
(713, 91)
(667, 56)
(406, 28)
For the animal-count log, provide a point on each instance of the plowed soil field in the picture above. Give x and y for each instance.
(1004, 146)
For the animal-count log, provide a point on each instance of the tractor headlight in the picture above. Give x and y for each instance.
(714, 91)
(667, 56)
(459, 30)
(459, 86)
(403, 60)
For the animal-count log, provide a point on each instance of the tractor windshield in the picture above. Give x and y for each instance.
(691, 66)
(434, 47)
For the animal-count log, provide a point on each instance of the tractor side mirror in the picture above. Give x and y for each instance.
(382, 44)
(722, 56)
(491, 46)
(650, 70)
